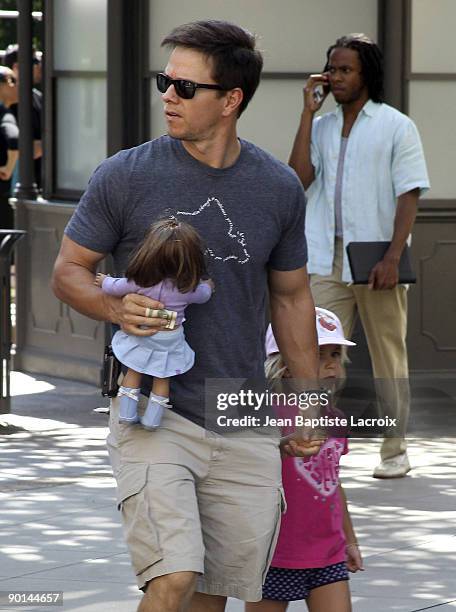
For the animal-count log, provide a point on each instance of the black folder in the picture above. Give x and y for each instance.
(362, 257)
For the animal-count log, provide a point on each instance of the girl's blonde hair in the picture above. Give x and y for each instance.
(275, 368)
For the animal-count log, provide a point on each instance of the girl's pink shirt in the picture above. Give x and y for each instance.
(311, 533)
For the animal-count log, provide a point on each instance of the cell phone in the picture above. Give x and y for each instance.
(110, 373)
(320, 92)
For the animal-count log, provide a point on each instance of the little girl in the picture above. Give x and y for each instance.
(167, 267)
(317, 543)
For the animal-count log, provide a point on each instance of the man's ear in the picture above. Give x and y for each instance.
(233, 99)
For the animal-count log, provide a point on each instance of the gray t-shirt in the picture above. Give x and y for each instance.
(251, 218)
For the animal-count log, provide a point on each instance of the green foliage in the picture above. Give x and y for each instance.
(8, 27)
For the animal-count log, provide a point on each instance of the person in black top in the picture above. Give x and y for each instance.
(9, 136)
(11, 61)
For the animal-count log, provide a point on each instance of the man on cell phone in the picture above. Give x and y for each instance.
(363, 170)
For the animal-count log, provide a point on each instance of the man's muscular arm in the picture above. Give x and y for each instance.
(73, 283)
(293, 322)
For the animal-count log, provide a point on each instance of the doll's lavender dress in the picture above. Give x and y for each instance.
(166, 353)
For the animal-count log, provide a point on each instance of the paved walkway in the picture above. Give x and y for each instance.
(60, 530)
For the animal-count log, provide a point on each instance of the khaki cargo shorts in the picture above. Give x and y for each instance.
(192, 500)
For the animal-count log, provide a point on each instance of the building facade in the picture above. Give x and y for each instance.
(101, 57)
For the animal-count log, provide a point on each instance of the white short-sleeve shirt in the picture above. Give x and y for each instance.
(383, 160)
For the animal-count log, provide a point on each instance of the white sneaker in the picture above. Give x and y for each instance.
(395, 467)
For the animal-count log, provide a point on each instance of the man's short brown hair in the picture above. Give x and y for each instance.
(236, 62)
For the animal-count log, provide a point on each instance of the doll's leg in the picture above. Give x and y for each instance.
(132, 379)
(160, 387)
(158, 401)
(129, 395)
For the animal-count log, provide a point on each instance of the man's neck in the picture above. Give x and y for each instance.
(220, 151)
(352, 109)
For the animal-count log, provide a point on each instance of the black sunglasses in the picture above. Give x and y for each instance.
(184, 89)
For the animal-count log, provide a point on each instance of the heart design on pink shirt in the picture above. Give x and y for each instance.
(321, 471)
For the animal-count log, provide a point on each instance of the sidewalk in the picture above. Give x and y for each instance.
(60, 530)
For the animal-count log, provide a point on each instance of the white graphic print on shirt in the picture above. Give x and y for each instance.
(235, 248)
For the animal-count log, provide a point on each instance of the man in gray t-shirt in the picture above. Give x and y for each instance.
(194, 502)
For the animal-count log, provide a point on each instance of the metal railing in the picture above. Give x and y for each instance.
(8, 239)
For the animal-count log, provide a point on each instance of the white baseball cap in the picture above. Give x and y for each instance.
(329, 330)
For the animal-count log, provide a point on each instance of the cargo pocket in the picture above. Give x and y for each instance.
(281, 508)
(140, 532)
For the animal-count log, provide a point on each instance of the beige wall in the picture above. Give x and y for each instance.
(432, 106)
(432, 99)
(433, 24)
(294, 34)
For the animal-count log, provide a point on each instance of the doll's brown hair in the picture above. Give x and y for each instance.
(170, 249)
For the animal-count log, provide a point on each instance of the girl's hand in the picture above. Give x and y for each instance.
(354, 559)
(99, 278)
(211, 284)
(296, 446)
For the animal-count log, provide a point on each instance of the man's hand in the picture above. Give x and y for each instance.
(384, 275)
(131, 313)
(295, 445)
(316, 90)
(354, 559)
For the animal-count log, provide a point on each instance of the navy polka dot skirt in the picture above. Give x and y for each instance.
(284, 584)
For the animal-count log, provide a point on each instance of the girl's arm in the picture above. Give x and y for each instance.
(354, 558)
(115, 286)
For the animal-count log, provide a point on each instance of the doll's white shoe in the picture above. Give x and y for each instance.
(154, 412)
(128, 408)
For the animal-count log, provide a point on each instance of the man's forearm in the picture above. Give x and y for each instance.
(300, 158)
(8, 169)
(73, 284)
(13, 156)
(293, 322)
(403, 223)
